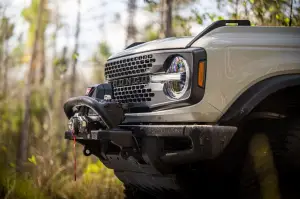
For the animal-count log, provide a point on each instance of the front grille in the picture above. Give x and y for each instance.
(128, 66)
(136, 66)
(133, 94)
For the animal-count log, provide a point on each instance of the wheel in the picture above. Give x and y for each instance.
(271, 167)
(132, 192)
(262, 161)
(207, 180)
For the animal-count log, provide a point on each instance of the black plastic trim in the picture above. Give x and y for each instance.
(216, 25)
(197, 92)
(256, 94)
(134, 44)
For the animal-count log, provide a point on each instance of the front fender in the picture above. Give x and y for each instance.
(256, 94)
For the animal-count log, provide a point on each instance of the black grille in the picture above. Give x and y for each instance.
(136, 66)
(128, 66)
(133, 94)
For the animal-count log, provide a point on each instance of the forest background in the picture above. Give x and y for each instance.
(51, 50)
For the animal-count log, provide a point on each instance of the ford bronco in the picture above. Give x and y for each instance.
(204, 114)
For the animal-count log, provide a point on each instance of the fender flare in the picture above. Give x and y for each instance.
(248, 100)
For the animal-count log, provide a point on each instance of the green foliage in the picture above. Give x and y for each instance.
(14, 185)
(99, 58)
(206, 16)
(197, 16)
(32, 159)
(182, 25)
(266, 12)
(92, 168)
(6, 32)
(46, 177)
(104, 50)
(102, 53)
(60, 65)
(150, 33)
(18, 187)
(6, 29)
(17, 54)
(75, 56)
(151, 7)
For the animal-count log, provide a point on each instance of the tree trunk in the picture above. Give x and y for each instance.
(5, 69)
(73, 75)
(41, 63)
(62, 85)
(236, 9)
(3, 55)
(42, 58)
(162, 17)
(54, 57)
(246, 11)
(168, 18)
(75, 53)
(291, 13)
(131, 27)
(23, 139)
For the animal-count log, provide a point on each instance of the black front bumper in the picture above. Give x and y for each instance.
(147, 154)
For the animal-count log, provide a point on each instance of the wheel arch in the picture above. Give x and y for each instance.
(256, 94)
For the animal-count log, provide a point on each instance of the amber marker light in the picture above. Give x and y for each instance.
(201, 74)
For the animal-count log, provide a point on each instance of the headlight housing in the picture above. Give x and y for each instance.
(176, 88)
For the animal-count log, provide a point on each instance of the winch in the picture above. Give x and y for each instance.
(94, 121)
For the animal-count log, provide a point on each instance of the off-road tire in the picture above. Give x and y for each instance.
(236, 174)
(272, 162)
(132, 192)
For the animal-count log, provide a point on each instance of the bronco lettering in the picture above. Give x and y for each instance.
(131, 81)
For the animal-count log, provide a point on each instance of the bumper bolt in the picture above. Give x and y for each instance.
(87, 152)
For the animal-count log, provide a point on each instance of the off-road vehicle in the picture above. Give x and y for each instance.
(209, 113)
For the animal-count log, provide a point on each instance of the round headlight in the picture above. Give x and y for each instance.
(177, 88)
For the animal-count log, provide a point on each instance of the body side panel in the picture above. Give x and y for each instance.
(240, 58)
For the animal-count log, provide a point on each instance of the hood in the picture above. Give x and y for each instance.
(168, 43)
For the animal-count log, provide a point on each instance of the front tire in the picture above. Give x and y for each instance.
(272, 164)
(132, 192)
(261, 162)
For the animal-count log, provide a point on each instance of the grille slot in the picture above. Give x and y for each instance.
(133, 94)
(128, 66)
